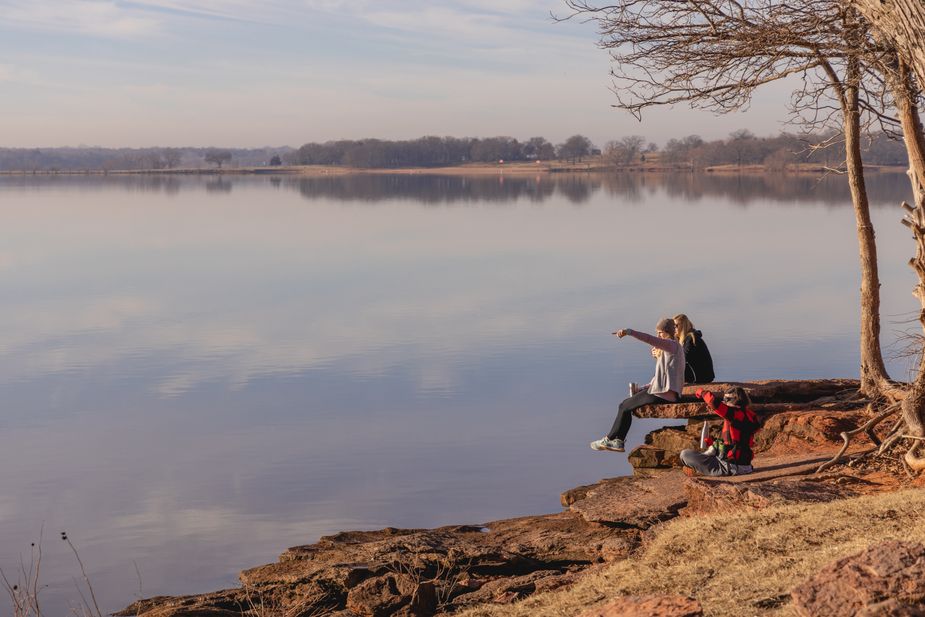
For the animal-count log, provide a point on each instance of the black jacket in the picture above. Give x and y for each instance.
(699, 367)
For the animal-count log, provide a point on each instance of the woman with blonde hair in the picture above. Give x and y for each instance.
(699, 367)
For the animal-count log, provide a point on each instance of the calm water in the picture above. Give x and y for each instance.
(198, 373)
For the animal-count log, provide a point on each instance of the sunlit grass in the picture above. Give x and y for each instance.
(739, 564)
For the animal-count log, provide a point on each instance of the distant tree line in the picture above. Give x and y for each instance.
(740, 148)
(776, 153)
(94, 158)
(438, 151)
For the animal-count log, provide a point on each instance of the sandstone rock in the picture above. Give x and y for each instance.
(633, 502)
(371, 573)
(381, 596)
(768, 397)
(192, 612)
(507, 590)
(648, 606)
(648, 457)
(714, 495)
(663, 447)
(674, 438)
(891, 608)
(684, 409)
(800, 431)
(620, 547)
(889, 576)
(783, 390)
(209, 605)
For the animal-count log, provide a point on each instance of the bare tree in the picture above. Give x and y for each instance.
(900, 24)
(217, 156)
(713, 54)
(624, 150)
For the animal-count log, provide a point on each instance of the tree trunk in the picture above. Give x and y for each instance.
(904, 94)
(901, 23)
(873, 371)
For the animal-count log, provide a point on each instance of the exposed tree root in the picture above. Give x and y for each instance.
(868, 429)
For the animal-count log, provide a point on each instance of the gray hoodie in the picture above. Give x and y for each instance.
(669, 366)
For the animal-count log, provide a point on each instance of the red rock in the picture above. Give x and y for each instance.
(713, 495)
(639, 501)
(891, 608)
(620, 547)
(783, 390)
(887, 577)
(663, 447)
(675, 438)
(648, 457)
(795, 431)
(768, 397)
(647, 606)
(381, 596)
(507, 590)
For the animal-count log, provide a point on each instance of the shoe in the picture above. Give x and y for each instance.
(711, 451)
(613, 445)
(690, 472)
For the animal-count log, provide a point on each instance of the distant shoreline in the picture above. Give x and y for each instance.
(593, 166)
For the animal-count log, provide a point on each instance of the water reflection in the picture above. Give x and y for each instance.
(200, 372)
(885, 188)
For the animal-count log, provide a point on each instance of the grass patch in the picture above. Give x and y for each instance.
(739, 564)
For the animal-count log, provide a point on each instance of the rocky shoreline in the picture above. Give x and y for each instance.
(422, 572)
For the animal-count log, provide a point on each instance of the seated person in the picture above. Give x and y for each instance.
(699, 362)
(665, 386)
(733, 456)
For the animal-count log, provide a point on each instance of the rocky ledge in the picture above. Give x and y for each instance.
(422, 572)
(770, 396)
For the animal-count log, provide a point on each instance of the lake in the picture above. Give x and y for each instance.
(199, 372)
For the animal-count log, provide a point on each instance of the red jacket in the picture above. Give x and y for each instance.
(739, 428)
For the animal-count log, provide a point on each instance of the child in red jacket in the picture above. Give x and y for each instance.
(734, 455)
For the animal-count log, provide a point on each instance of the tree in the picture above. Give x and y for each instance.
(217, 157)
(539, 148)
(276, 161)
(713, 54)
(682, 150)
(741, 143)
(172, 157)
(575, 147)
(901, 24)
(624, 150)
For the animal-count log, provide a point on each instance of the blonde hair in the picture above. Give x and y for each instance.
(684, 327)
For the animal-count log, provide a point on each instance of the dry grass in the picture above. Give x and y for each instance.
(739, 564)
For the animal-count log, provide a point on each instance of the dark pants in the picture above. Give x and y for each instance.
(712, 465)
(621, 426)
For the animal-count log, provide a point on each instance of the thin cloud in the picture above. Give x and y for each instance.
(89, 17)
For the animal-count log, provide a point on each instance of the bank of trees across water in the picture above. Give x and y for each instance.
(739, 148)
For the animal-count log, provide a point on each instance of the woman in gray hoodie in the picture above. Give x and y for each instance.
(665, 386)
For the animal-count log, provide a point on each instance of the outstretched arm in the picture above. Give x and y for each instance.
(709, 398)
(665, 344)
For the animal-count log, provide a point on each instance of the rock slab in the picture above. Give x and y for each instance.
(647, 606)
(884, 579)
(635, 502)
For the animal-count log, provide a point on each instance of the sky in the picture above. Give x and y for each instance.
(241, 73)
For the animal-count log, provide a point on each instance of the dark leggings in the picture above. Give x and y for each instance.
(621, 426)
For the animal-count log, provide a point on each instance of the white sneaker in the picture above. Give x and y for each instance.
(613, 445)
